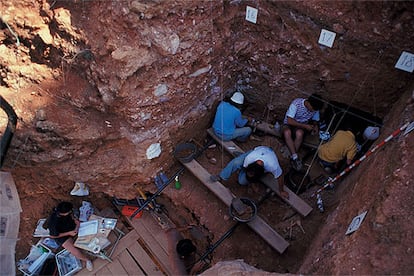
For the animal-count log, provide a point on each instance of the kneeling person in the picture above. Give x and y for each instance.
(341, 146)
(252, 166)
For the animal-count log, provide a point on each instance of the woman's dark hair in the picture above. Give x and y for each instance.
(64, 207)
(185, 247)
(315, 101)
(254, 172)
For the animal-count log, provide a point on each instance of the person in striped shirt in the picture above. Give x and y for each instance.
(301, 117)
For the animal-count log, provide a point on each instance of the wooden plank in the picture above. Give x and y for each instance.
(257, 224)
(151, 243)
(216, 187)
(145, 262)
(99, 263)
(103, 271)
(116, 268)
(149, 222)
(294, 200)
(229, 146)
(129, 264)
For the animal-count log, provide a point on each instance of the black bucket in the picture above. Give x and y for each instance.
(185, 152)
(294, 179)
(248, 216)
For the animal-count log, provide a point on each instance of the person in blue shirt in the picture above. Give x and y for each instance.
(228, 122)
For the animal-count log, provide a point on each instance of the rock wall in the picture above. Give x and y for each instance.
(381, 186)
(106, 79)
(96, 83)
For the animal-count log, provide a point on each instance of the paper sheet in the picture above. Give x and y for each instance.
(88, 228)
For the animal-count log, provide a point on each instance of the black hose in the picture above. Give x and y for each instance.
(157, 193)
(230, 231)
(218, 242)
(10, 129)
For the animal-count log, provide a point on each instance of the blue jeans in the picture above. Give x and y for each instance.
(327, 164)
(240, 134)
(236, 165)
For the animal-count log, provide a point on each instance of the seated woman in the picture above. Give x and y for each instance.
(63, 227)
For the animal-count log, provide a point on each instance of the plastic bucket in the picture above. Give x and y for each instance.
(185, 152)
(248, 215)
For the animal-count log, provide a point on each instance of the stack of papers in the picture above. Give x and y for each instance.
(40, 231)
(88, 228)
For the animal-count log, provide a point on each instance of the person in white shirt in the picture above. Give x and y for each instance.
(252, 166)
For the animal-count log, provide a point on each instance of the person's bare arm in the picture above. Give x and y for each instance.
(295, 123)
(281, 183)
(69, 233)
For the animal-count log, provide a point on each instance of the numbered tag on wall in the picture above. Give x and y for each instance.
(405, 62)
(356, 222)
(251, 14)
(327, 38)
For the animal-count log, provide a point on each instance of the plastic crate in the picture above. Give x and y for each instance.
(129, 210)
(33, 263)
(67, 263)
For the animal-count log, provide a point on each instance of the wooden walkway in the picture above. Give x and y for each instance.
(142, 251)
(258, 225)
(295, 201)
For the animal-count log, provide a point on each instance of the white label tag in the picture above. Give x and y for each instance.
(326, 38)
(251, 14)
(405, 62)
(356, 222)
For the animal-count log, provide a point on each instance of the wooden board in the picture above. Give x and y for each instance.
(116, 268)
(154, 238)
(145, 261)
(294, 200)
(129, 264)
(103, 271)
(99, 263)
(152, 226)
(229, 146)
(257, 224)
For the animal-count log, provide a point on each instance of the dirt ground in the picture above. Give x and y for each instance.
(198, 213)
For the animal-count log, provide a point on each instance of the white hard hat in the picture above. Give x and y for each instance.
(371, 133)
(237, 98)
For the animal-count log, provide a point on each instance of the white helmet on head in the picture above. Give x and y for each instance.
(237, 98)
(371, 133)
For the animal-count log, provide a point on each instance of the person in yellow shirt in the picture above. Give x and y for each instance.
(341, 146)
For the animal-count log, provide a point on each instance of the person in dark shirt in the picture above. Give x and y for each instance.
(63, 227)
(182, 254)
